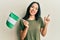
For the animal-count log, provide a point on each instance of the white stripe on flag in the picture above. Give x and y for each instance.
(12, 21)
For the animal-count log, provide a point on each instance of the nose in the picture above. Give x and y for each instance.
(33, 9)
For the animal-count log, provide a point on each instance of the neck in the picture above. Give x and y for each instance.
(32, 18)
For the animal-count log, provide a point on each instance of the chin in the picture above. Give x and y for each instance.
(32, 14)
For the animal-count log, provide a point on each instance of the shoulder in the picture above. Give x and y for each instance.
(21, 21)
(40, 18)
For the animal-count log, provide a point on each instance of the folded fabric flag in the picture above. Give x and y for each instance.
(12, 19)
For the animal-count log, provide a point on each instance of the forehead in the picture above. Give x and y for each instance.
(35, 4)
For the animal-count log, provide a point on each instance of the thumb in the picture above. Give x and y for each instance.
(45, 18)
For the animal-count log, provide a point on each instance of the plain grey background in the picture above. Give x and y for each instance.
(51, 7)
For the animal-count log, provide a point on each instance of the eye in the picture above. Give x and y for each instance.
(32, 6)
(36, 8)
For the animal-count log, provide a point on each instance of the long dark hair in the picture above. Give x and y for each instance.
(38, 14)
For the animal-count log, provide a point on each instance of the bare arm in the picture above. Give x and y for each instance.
(23, 33)
(44, 30)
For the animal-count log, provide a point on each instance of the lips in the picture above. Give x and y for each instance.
(32, 11)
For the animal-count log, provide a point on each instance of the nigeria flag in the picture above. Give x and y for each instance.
(12, 19)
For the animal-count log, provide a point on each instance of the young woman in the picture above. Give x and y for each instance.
(32, 24)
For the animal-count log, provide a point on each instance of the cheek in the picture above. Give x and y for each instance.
(31, 9)
(36, 11)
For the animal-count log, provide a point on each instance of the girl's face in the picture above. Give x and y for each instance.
(33, 9)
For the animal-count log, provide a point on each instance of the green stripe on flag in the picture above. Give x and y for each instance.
(14, 16)
(10, 25)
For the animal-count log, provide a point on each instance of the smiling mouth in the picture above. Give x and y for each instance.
(32, 11)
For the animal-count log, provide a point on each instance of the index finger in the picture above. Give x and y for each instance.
(48, 15)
